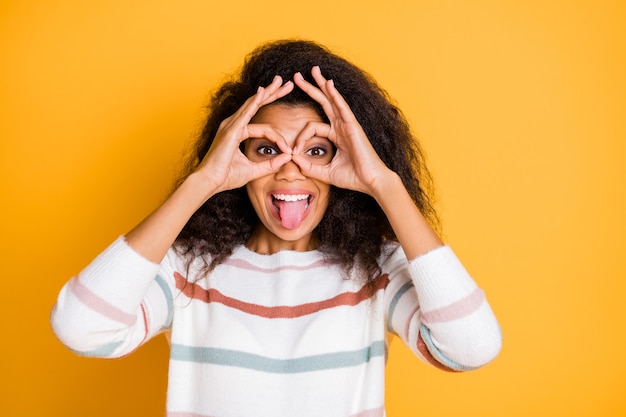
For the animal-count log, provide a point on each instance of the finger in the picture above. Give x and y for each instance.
(331, 92)
(340, 104)
(246, 112)
(270, 166)
(315, 93)
(311, 130)
(256, 130)
(272, 87)
(311, 170)
(250, 107)
(282, 91)
(278, 161)
(321, 81)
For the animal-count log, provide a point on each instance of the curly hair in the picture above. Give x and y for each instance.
(354, 226)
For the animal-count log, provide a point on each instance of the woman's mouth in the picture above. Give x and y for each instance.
(291, 209)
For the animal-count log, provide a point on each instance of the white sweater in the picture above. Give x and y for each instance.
(279, 335)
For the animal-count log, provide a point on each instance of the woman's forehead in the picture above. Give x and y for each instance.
(286, 118)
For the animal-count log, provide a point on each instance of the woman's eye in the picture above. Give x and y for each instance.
(316, 151)
(267, 150)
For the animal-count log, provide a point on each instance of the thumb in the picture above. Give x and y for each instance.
(311, 170)
(273, 165)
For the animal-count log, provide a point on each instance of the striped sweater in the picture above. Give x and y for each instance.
(279, 335)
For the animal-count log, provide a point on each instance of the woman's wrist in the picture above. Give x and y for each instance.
(386, 185)
(199, 187)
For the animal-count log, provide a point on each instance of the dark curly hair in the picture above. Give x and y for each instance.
(354, 226)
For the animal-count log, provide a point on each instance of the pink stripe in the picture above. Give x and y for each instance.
(459, 309)
(86, 296)
(241, 264)
(145, 323)
(375, 412)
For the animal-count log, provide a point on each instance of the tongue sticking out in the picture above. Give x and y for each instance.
(291, 212)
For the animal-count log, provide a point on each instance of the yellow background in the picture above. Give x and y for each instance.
(521, 107)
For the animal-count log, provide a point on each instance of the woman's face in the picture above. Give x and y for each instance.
(288, 204)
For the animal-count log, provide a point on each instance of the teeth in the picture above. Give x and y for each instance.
(290, 197)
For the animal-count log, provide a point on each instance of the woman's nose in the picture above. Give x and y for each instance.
(290, 172)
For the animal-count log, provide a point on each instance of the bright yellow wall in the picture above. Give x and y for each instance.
(520, 105)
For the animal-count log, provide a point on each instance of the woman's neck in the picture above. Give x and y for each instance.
(265, 242)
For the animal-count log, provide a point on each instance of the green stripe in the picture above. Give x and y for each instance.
(169, 299)
(246, 360)
(394, 302)
(437, 354)
(105, 351)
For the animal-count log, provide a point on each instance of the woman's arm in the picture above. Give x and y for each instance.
(357, 166)
(115, 304)
(224, 167)
(124, 296)
(433, 304)
(439, 312)
(414, 233)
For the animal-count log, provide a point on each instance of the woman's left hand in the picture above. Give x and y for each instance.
(356, 165)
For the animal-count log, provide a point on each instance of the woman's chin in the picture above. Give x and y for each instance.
(277, 238)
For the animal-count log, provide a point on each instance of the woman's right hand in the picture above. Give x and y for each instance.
(225, 167)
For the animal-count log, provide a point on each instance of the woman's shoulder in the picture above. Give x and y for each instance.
(191, 261)
(392, 257)
(389, 250)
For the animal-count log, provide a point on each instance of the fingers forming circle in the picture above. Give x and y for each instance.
(264, 131)
(311, 131)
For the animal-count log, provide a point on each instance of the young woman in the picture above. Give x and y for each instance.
(298, 242)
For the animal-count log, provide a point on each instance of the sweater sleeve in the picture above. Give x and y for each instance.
(119, 301)
(439, 312)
